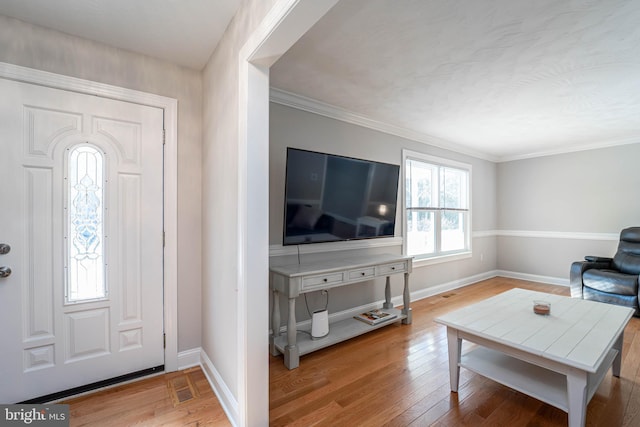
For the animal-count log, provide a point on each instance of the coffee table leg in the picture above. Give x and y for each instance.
(455, 350)
(577, 397)
(617, 362)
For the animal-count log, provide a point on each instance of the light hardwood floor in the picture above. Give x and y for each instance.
(177, 399)
(398, 376)
(395, 376)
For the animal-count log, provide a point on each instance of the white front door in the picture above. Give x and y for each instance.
(81, 199)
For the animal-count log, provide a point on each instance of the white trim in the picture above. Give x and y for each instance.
(198, 357)
(573, 149)
(170, 107)
(533, 277)
(253, 238)
(223, 393)
(439, 162)
(454, 284)
(279, 250)
(483, 234)
(422, 262)
(189, 358)
(311, 105)
(283, 25)
(569, 235)
(435, 160)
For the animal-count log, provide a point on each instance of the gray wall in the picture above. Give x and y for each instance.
(39, 48)
(553, 210)
(531, 218)
(291, 127)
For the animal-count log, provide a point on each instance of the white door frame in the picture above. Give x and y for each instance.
(285, 23)
(170, 173)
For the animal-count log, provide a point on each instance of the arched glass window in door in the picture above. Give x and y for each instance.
(84, 239)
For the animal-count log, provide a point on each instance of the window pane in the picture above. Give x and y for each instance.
(453, 225)
(421, 184)
(453, 188)
(84, 240)
(420, 232)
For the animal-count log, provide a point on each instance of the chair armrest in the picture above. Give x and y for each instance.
(579, 267)
(592, 258)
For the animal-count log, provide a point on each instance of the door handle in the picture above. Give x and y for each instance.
(5, 272)
(4, 249)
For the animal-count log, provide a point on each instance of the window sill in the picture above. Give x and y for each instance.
(421, 262)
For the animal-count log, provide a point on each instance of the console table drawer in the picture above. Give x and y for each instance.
(362, 273)
(392, 268)
(322, 280)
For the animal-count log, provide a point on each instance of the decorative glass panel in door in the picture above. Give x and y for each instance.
(84, 238)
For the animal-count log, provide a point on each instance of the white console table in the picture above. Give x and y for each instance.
(297, 279)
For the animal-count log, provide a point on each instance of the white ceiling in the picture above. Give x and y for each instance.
(502, 79)
(506, 78)
(184, 32)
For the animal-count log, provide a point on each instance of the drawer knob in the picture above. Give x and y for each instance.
(393, 268)
(325, 279)
(362, 273)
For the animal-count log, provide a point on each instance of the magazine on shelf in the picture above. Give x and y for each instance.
(373, 317)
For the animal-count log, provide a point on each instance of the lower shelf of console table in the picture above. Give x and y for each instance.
(298, 279)
(338, 332)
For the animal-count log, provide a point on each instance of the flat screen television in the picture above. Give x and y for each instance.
(330, 198)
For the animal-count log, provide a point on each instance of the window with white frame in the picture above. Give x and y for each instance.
(437, 214)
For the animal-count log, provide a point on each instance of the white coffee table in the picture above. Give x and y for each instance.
(559, 359)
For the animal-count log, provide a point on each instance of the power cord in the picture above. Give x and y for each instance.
(326, 305)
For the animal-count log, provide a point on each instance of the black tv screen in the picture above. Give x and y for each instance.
(331, 198)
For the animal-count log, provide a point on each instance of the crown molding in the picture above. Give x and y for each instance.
(311, 105)
(615, 142)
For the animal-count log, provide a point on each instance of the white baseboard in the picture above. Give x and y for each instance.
(449, 286)
(446, 287)
(533, 277)
(222, 392)
(197, 357)
(189, 358)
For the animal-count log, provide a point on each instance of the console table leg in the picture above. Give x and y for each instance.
(577, 397)
(406, 300)
(275, 323)
(617, 362)
(387, 294)
(291, 355)
(455, 352)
